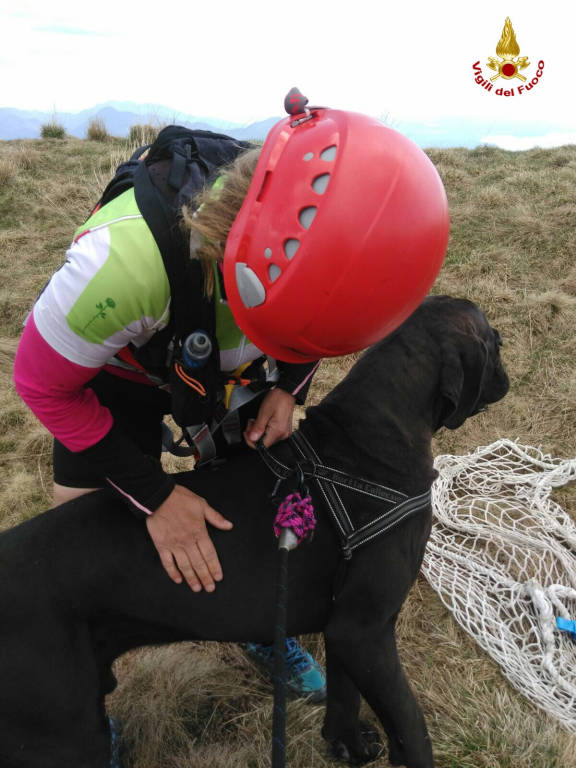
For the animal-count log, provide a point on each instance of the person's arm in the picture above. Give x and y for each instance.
(295, 378)
(53, 388)
(102, 298)
(274, 421)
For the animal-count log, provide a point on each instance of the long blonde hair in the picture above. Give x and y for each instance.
(211, 214)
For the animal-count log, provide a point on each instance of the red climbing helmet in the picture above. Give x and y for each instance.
(342, 233)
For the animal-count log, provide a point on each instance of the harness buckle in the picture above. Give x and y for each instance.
(274, 494)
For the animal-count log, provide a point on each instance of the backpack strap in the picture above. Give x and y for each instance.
(190, 308)
(178, 169)
(180, 159)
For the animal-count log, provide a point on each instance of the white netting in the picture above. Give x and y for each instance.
(502, 557)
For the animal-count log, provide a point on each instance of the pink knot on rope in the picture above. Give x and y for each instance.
(296, 513)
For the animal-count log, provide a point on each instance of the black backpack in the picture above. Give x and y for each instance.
(179, 164)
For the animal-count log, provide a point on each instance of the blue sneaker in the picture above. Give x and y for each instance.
(304, 676)
(114, 759)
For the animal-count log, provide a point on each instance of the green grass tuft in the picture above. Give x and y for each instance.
(53, 130)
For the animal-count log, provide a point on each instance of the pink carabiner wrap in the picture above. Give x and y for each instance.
(296, 513)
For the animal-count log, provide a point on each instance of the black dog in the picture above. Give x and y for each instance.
(82, 584)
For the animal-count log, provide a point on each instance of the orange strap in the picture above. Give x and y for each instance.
(193, 383)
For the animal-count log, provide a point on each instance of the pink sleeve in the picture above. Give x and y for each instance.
(53, 388)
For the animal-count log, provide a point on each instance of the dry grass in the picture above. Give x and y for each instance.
(143, 133)
(97, 130)
(7, 171)
(512, 251)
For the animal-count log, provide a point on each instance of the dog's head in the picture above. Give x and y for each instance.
(472, 374)
(441, 366)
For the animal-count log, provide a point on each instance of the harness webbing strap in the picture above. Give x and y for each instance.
(327, 478)
(390, 519)
(331, 496)
(184, 275)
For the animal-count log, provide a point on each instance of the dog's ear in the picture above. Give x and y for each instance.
(464, 359)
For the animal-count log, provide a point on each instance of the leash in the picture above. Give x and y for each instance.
(294, 522)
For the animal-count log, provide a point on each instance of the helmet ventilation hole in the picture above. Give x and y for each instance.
(308, 156)
(290, 247)
(268, 253)
(329, 153)
(306, 216)
(250, 288)
(320, 183)
(274, 271)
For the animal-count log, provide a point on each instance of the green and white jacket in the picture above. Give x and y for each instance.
(111, 292)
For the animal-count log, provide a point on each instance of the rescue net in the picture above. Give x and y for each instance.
(502, 557)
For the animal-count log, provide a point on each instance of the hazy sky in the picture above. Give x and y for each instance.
(236, 61)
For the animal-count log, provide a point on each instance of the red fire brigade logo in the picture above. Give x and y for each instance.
(507, 66)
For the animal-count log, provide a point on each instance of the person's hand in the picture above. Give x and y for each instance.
(274, 419)
(178, 530)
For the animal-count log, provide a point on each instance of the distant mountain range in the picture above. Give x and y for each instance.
(118, 117)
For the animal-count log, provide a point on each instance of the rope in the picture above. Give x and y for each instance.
(501, 556)
(296, 513)
(279, 717)
(294, 522)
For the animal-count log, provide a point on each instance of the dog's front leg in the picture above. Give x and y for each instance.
(364, 658)
(350, 739)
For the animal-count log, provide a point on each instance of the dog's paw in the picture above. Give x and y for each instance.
(396, 760)
(416, 756)
(360, 746)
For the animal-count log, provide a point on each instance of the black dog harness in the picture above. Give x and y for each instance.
(309, 465)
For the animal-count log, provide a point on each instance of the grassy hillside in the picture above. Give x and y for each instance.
(512, 251)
